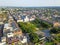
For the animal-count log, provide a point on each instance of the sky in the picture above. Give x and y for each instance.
(30, 3)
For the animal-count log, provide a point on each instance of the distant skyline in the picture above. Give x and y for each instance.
(29, 3)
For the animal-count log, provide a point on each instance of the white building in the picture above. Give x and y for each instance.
(3, 39)
(31, 19)
(2, 43)
(7, 28)
(24, 39)
(10, 35)
(10, 18)
(25, 19)
(19, 20)
(1, 23)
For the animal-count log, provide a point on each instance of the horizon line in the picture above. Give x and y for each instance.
(29, 6)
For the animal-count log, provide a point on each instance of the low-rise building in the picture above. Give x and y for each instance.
(24, 39)
(10, 35)
(2, 43)
(7, 28)
(3, 39)
(56, 24)
(18, 32)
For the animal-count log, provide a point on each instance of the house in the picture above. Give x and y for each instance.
(24, 40)
(56, 24)
(7, 28)
(16, 37)
(10, 35)
(1, 22)
(10, 17)
(2, 43)
(18, 32)
(22, 19)
(12, 40)
(25, 18)
(32, 18)
(3, 39)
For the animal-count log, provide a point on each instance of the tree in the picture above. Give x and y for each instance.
(34, 37)
(2, 9)
(27, 27)
(37, 44)
(40, 23)
(49, 43)
(55, 30)
(45, 24)
(58, 37)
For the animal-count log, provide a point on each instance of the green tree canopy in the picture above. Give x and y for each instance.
(34, 37)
